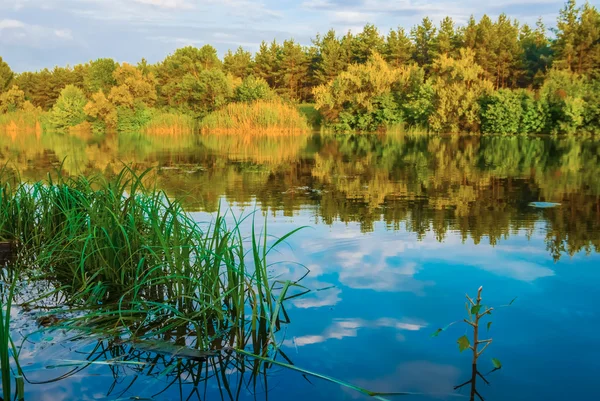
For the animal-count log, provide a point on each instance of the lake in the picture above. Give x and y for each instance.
(398, 228)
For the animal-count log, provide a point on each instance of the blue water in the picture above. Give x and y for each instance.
(381, 286)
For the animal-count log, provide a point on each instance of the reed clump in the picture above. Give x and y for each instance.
(261, 116)
(135, 263)
(170, 124)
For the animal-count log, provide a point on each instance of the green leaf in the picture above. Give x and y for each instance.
(489, 325)
(463, 343)
(497, 363)
(475, 310)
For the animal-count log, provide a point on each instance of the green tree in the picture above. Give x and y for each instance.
(360, 98)
(447, 40)
(266, 62)
(6, 75)
(293, 71)
(133, 87)
(536, 54)
(69, 108)
(425, 48)
(398, 48)
(367, 42)
(331, 57)
(238, 64)
(99, 75)
(12, 100)
(501, 112)
(458, 86)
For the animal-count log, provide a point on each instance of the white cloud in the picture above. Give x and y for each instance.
(343, 328)
(15, 32)
(170, 4)
(11, 24)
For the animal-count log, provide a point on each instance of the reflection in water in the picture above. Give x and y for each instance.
(479, 187)
(400, 228)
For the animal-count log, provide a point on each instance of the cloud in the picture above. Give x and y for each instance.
(343, 328)
(11, 24)
(169, 4)
(19, 33)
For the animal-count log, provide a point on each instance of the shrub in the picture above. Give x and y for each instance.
(534, 119)
(501, 112)
(253, 88)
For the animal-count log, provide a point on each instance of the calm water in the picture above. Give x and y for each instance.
(399, 228)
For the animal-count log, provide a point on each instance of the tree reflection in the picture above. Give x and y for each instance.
(479, 187)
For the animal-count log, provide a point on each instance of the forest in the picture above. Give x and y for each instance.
(488, 76)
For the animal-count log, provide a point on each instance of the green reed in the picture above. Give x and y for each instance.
(134, 260)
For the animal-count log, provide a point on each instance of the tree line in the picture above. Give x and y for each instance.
(490, 75)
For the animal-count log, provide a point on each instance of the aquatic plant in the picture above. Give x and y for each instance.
(476, 311)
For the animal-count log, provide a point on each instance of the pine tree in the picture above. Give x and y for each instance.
(293, 70)
(330, 58)
(398, 48)
(6, 75)
(367, 42)
(238, 64)
(447, 38)
(425, 44)
(265, 62)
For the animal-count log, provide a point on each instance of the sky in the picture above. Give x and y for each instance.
(43, 33)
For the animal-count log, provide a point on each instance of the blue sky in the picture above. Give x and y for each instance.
(44, 33)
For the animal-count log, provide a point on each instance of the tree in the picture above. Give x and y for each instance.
(447, 37)
(99, 75)
(238, 64)
(331, 57)
(360, 98)
(100, 108)
(69, 108)
(458, 86)
(12, 100)
(536, 54)
(293, 71)
(398, 48)
(367, 42)
(425, 46)
(133, 87)
(6, 75)
(566, 36)
(266, 62)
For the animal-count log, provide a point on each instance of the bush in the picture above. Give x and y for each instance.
(534, 119)
(253, 88)
(501, 112)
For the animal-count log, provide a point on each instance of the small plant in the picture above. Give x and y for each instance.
(476, 311)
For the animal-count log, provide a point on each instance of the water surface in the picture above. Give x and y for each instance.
(399, 228)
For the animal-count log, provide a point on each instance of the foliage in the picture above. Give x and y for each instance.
(252, 89)
(99, 76)
(458, 86)
(501, 112)
(360, 98)
(69, 108)
(12, 100)
(6, 75)
(100, 108)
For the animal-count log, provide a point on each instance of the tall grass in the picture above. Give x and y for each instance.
(134, 260)
(260, 116)
(166, 123)
(28, 121)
